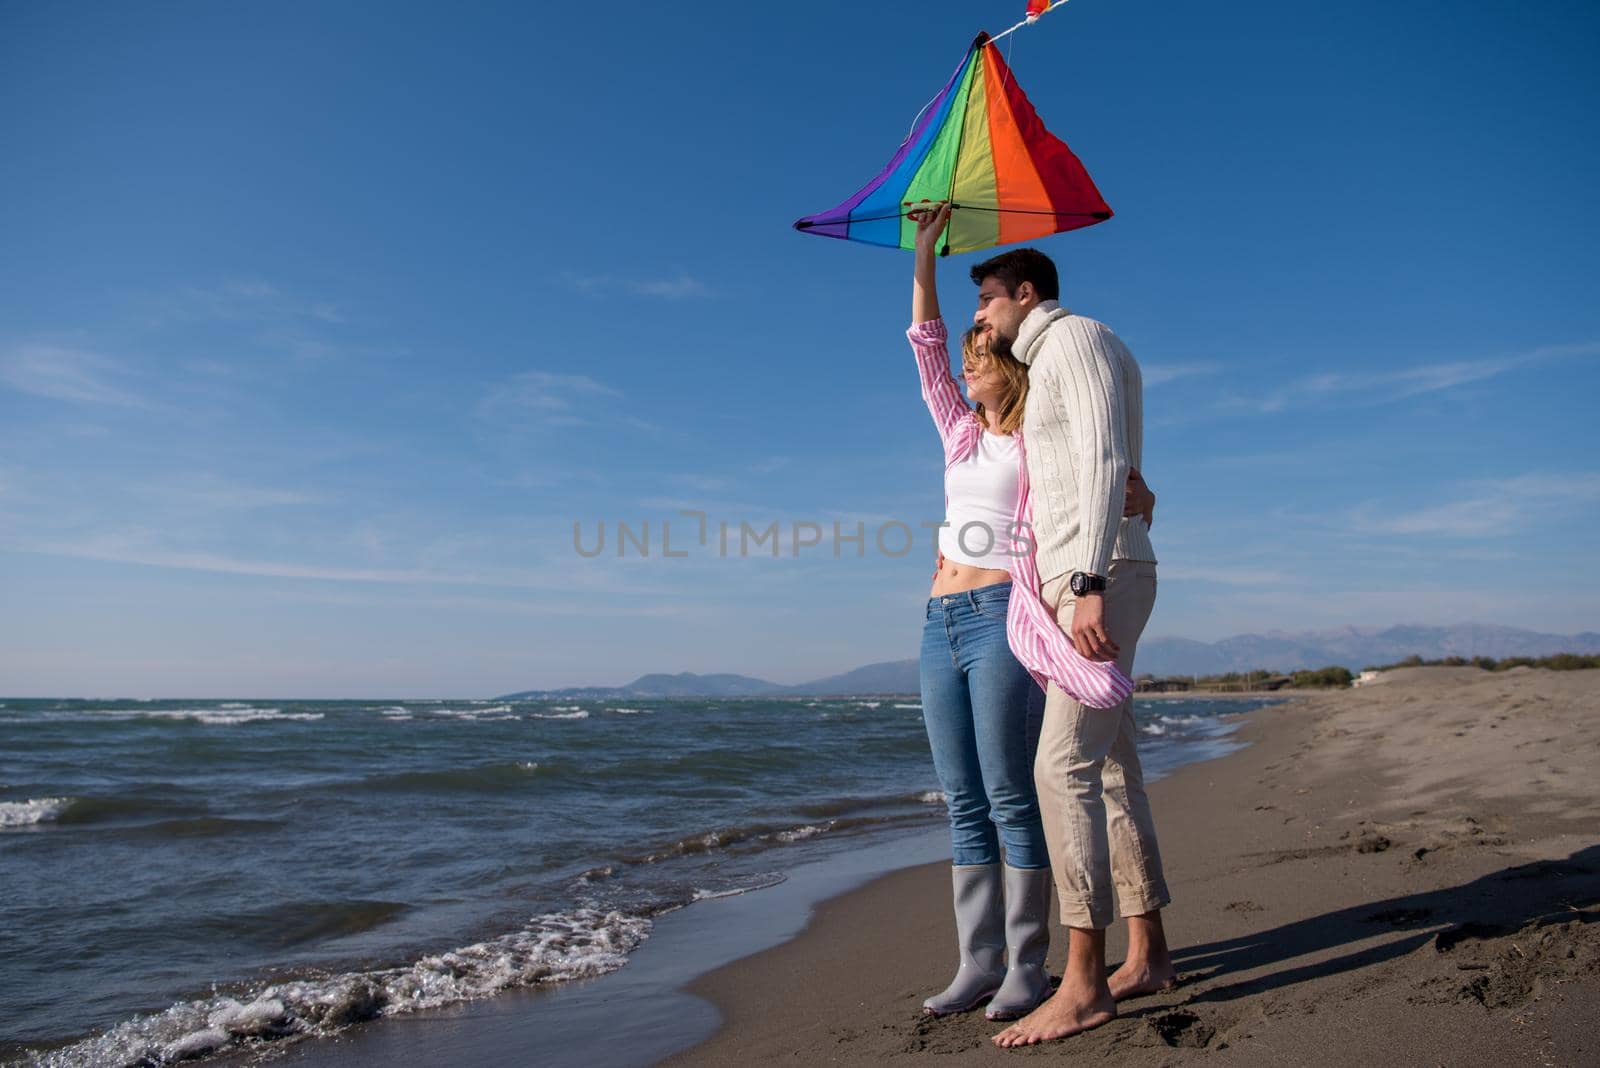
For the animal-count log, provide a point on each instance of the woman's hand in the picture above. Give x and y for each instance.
(930, 222)
(1140, 499)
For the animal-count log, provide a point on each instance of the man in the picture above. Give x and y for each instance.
(1083, 428)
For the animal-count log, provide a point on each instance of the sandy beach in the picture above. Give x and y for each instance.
(1405, 873)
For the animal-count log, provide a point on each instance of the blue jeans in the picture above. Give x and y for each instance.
(983, 714)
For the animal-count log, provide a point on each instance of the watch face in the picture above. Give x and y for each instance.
(1080, 584)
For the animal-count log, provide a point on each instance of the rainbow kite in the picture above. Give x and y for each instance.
(980, 145)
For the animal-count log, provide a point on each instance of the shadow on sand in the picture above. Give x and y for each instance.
(1494, 905)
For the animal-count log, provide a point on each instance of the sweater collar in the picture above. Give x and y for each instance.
(1031, 334)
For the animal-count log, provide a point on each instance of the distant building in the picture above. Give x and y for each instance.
(1150, 684)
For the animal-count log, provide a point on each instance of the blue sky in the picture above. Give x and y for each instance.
(321, 325)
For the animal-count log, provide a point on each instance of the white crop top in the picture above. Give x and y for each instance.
(981, 504)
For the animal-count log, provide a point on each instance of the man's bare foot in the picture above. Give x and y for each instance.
(1137, 978)
(1070, 1011)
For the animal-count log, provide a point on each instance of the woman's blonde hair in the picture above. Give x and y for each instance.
(984, 352)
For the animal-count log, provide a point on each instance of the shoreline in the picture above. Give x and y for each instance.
(658, 1016)
(1408, 873)
(651, 993)
(1356, 830)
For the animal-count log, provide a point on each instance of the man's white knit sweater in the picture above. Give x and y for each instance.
(1083, 426)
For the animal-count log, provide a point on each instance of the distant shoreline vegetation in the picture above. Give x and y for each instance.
(1248, 681)
(1335, 677)
(1558, 662)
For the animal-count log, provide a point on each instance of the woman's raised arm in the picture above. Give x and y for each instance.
(931, 222)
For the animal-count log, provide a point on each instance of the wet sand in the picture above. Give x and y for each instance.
(1406, 873)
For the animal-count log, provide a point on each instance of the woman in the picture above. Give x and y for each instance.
(981, 703)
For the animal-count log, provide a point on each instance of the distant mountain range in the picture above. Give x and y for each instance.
(1351, 647)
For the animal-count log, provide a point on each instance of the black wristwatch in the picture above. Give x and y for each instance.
(1082, 582)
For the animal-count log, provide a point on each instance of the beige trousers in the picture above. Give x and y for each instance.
(1097, 820)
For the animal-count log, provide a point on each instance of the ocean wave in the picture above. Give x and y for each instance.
(799, 834)
(632, 711)
(226, 715)
(302, 922)
(918, 707)
(493, 777)
(82, 810)
(497, 712)
(757, 837)
(840, 805)
(763, 882)
(205, 827)
(553, 948)
(712, 764)
(34, 810)
(580, 713)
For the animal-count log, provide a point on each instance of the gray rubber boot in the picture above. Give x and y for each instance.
(980, 933)
(1027, 943)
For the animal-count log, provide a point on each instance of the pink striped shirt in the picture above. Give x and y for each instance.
(1035, 638)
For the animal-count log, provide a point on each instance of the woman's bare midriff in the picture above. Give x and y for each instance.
(959, 578)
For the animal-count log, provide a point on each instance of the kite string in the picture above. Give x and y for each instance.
(1004, 33)
(924, 111)
(1028, 22)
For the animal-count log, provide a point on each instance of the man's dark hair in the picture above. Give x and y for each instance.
(1018, 266)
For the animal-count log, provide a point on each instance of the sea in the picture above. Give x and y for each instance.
(182, 879)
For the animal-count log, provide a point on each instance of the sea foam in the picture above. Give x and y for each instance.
(33, 811)
(554, 947)
(227, 715)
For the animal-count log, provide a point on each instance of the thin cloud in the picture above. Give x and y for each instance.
(1159, 374)
(1383, 388)
(1373, 388)
(121, 549)
(681, 286)
(210, 493)
(1231, 576)
(701, 483)
(72, 375)
(1492, 508)
(240, 299)
(547, 399)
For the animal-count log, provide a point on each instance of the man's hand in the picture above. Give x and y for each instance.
(1139, 499)
(1088, 632)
